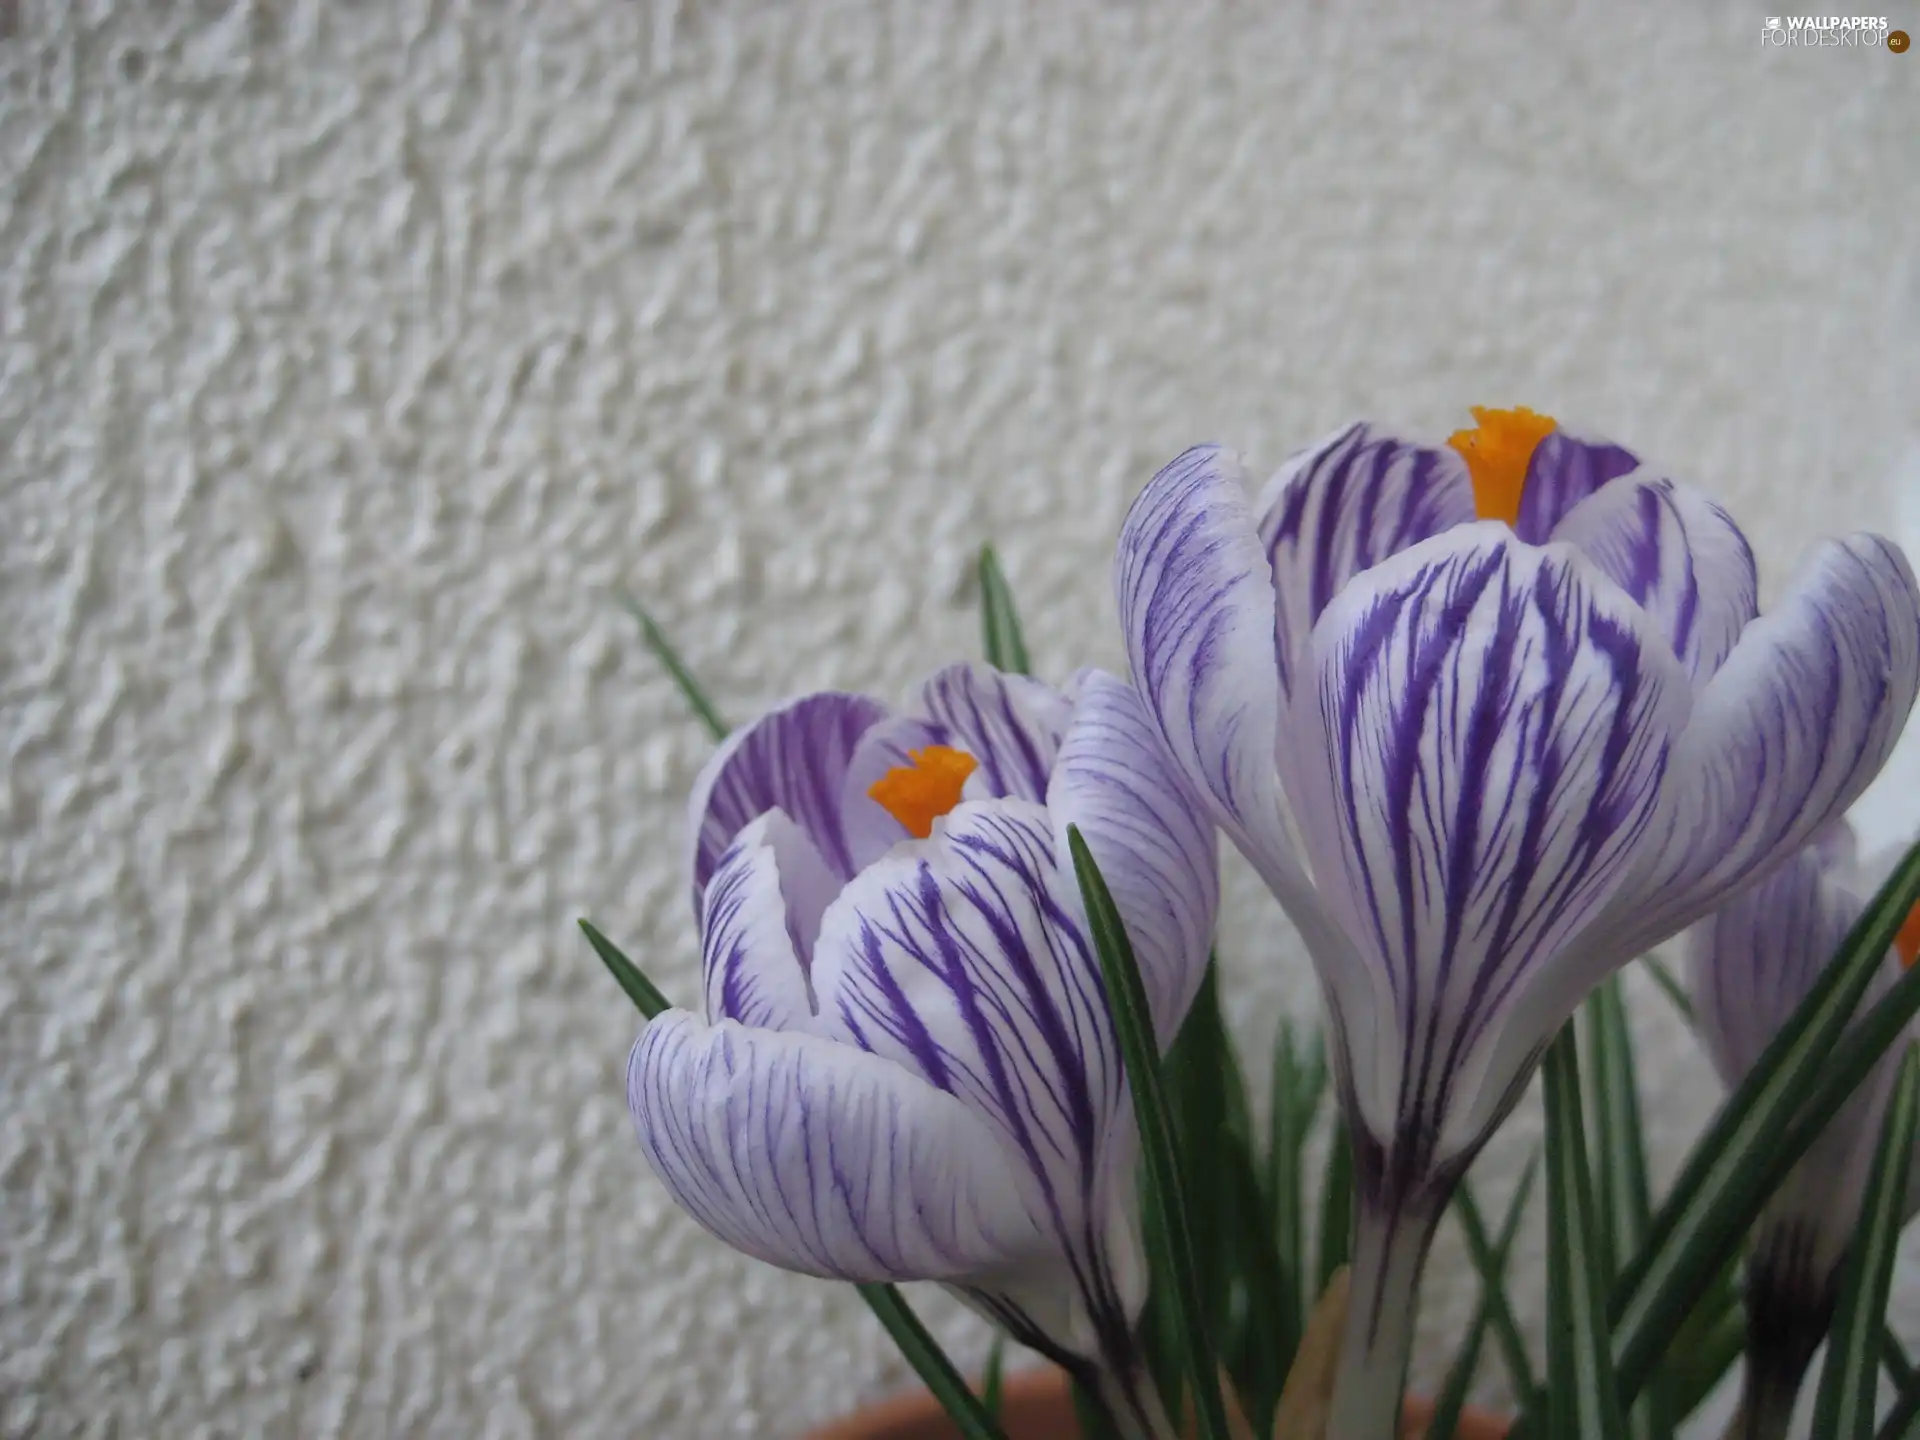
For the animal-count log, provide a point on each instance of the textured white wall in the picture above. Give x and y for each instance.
(352, 352)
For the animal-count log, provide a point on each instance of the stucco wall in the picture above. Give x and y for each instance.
(351, 353)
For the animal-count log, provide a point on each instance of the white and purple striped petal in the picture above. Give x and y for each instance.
(1342, 507)
(1791, 729)
(1149, 835)
(1494, 721)
(1679, 556)
(817, 1157)
(1751, 962)
(762, 917)
(961, 958)
(1563, 471)
(1010, 724)
(793, 759)
(1197, 614)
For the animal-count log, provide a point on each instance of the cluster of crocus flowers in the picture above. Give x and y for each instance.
(1489, 717)
(907, 1069)
(1750, 964)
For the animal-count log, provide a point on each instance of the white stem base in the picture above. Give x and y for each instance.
(1389, 1252)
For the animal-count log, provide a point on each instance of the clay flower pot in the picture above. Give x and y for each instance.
(1035, 1405)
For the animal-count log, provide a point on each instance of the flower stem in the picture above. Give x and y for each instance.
(1133, 1404)
(1792, 1287)
(1389, 1252)
(1766, 1406)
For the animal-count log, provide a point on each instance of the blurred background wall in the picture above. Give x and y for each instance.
(352, 353)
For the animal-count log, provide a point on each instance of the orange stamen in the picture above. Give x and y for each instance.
(1497, 451)
(918, 794)
(1907, 943)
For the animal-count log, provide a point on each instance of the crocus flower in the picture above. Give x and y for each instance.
(907, 1069)
(1490, 718)
(1750, 964)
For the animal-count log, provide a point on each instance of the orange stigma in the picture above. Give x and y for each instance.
(1497, 451)
(1907, 943)
(918, 794)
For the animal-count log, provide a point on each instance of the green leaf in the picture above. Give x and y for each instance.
(1453, 1396)
(1000, 622)
(1903, 1421)
(1096, 1423)
(1706, 1344)
(1133, 1026)
(1240, 1275)
(1674, 991)
(930, 1362)
(1160, 1331)
(1506, 1330)
(1893, 1355)
(1336, 1208)
(1584, 1403)
(1207, 1106)
(1310, 1087)
(1201, 1081)
(1259, 1335)
(1286, 1139)
(993, 1382)
(640, 990)
(1622, 1197)
(1844, 1410)
(669, 657)
(1813, 1064)
(1622, 1201)
(1701, 1361)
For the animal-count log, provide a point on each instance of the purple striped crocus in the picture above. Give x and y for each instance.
(1490, 718)
(906, 1069)
(1749, 965)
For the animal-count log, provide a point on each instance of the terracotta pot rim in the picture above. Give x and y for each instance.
(1041, 1392)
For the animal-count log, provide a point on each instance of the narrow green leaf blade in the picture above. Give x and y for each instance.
(1094, 1420)
(1006, 646)
(1702, 1362)
(1201, 1080)
(1133, 1026)
(1623, 1202)
(1453, 1396)
(993, 1382)
(930, 1362)
(1893, 1355)
(642, 991)
(1752, 1142)
(1258, 1335)
(1844, 1410)
(1675, 992)
(1584, 1402)
(1506, 1329)
(1705, 1346)
(1336, 1209)
(1624, 1197)
(1903, 1421)
(669, 657)
(1310, 1087)
(1283, 1180)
